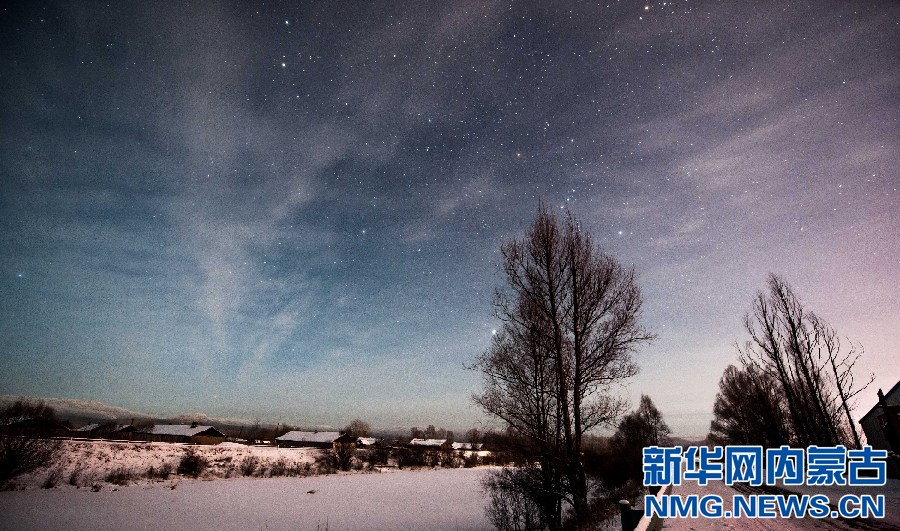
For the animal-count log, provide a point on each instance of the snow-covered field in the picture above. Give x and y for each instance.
(98, 464)
(890, 522)
(109, 485)
(418, 499)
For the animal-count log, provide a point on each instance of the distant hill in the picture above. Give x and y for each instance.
(80, 411)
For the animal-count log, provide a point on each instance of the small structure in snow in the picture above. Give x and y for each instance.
(185, 433)
(315, 439)
(433, 444)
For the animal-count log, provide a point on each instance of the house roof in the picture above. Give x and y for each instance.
(427, 442)
(185, 430)
(467, 446)
(891, 398)
(367, 441)
(309, 436)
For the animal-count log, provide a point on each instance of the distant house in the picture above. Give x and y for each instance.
(314, 439)
(184, 433)
(109, 430)
(367, 442)
(875, 423)
(431, 444)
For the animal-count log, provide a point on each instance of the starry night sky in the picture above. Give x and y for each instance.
(294, 211)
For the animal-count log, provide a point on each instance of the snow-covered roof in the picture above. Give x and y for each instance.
(186, 430)
(427, 442)
(467, 446)
(309, 436)
(367, 441)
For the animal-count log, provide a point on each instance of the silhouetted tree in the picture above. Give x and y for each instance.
(24, 409)
(570, 323)
(749, 409)
(642, 427)
(358, 428)
(802, 353)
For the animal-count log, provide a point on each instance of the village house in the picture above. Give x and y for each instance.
(876, 424)
(882, 427)
(431, 444)
(313, 439)
(183, 433)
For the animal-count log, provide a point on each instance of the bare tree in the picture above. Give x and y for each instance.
(358, 428)
(570, 323)
(749, 409)
(23, 410)
(802, 353)
(19, 455)
(841, 364)
(642, 427)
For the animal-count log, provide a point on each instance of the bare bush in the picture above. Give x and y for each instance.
(279, 468)
(75, 475)
(325, 462)
(19, 455)
(120, 476)
(249, 465)
(192, 464)
(512, 507)
(52, 479)
(343, 455)
(163, 472)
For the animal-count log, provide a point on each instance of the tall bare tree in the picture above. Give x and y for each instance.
(570, 324)
(803, 354)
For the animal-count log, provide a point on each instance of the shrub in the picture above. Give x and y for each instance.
(279, 468)
(51, 480)
(512, 506)
(19, 455)
(192, 464)
(325, 462)
(120, 476)
(74, 475)
(163, 472)
(449, 460)
(249, 465)
(343, 455)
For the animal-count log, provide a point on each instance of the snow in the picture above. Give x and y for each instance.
(86, 463)
(427, 442)
(424, 499)
(892, 507)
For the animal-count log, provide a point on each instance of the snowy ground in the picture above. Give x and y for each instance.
(118, 485)
(99, 463)
(423, 499)
(891, 522)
